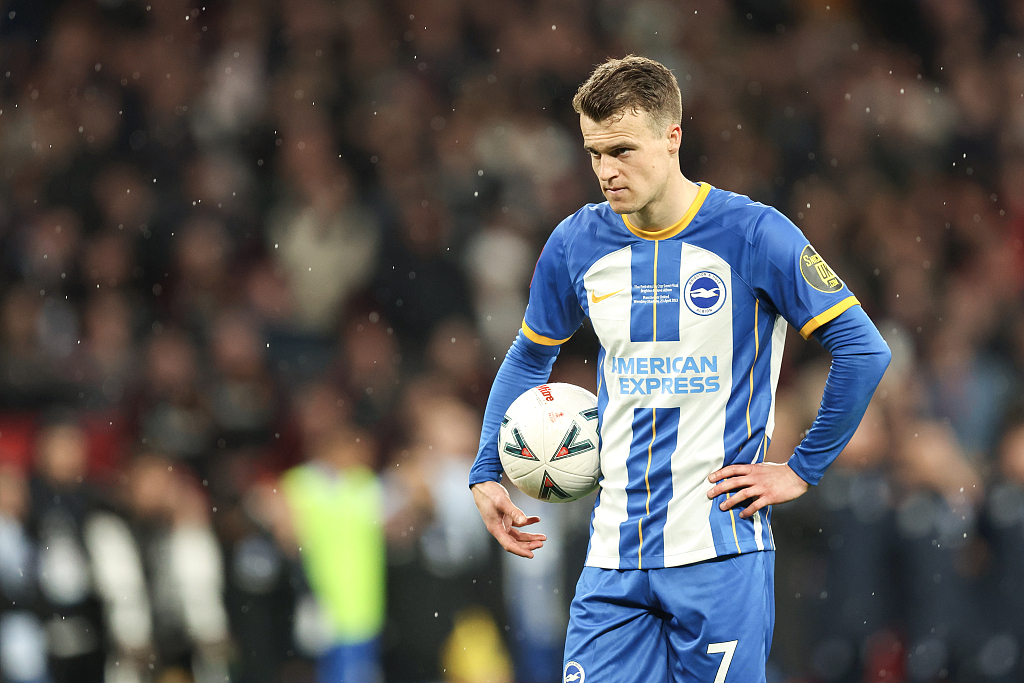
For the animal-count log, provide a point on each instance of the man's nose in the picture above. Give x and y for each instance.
(607, 169)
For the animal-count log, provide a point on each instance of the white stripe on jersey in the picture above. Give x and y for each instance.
(609, 295)
(701, 448)
(758, 540)
(758, 530)
(778, 346)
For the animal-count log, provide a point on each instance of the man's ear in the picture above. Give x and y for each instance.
(674, 138)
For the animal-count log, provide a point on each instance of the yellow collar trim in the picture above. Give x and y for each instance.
(678, 226)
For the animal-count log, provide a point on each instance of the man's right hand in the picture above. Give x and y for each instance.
(502, 517)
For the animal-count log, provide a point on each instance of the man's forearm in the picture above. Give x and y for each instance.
(859, 359)
(526, 365)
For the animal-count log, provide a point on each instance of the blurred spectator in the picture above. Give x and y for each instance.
(108, 360)
(499, 262)
(442, 565)
(264, 581)
(205, 285)
(370, 367)
(324, 238)
(23, 642)
(455, 358)
(236, 91)
(62, 505)
(1001, 654)
(182, 569)
(935, 521)
(242, 396)
(859, 505)
(28, 377)
(337, 490)
(537, 604)
(173, 413)
(420, 284)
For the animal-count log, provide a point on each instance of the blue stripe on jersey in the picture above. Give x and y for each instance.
(655, 290)
(669, 290)
(746, 414)
(641, 536)
(725, 528)
(641, 310)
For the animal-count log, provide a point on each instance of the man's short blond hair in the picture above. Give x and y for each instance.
(631, 84)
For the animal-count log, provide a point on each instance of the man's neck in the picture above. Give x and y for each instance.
(667, 209)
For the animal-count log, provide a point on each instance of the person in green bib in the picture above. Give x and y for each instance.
(336, 507)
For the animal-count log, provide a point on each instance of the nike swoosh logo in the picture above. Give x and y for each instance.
(594, 299)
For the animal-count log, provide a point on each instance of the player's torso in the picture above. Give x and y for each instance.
(687, 368)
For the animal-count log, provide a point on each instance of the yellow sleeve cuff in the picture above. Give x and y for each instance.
(540, 338)
(827, 316)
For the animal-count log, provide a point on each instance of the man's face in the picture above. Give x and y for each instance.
(631, 159)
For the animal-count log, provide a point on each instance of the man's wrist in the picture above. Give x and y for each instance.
(483, 477)
(796, 466)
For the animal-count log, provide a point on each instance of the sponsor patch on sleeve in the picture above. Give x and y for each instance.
(817, 273)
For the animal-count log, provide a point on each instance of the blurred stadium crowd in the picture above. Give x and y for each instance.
(260, 259)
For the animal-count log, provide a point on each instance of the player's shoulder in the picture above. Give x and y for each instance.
(585, 236)
(589, 217)
(734, 208)
(743, 215)
(585, 229)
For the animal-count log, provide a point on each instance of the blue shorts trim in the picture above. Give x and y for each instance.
(682, 624)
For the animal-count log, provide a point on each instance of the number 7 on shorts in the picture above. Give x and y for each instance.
(726, 649)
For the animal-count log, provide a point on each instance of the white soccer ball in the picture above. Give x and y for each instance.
(548, 443)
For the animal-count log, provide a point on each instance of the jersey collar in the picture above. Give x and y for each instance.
(678, 226)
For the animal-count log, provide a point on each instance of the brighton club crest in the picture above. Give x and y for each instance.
(704, 293)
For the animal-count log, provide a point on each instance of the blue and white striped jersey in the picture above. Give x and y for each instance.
(692, 322)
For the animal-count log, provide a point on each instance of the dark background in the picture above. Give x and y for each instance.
(229, 228)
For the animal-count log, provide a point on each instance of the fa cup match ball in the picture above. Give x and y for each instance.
(548, 443)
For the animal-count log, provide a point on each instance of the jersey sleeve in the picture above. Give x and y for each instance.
(526, 365)
(859, 358)
(554, 312)
(788, 273)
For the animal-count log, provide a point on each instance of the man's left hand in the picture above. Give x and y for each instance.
(760, 485)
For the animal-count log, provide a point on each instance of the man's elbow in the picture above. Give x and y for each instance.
(881, 355)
